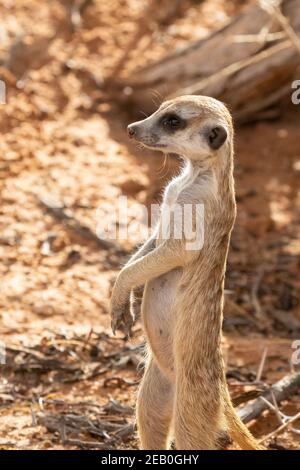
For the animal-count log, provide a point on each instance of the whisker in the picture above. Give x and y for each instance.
(158, 95)
(156, 99)
(156, 104)
(160, 173)
(143, 113)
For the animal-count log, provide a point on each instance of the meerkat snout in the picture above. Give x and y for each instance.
(130, 131)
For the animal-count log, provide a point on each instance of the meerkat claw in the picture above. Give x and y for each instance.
(122, 320)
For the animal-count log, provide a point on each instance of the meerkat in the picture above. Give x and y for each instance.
(183, 394)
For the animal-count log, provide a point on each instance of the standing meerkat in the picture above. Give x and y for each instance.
(183, 394)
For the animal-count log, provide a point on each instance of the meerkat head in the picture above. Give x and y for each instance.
(196, 127)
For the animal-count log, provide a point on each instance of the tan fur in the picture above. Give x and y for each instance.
(184, 393)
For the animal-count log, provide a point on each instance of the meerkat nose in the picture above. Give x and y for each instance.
(130, 131)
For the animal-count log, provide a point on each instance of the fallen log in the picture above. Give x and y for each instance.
(281, 390)
(249, 64)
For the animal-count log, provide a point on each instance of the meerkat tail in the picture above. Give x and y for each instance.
(238, 432)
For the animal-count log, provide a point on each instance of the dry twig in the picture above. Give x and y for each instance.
(281, 428)
(273, 8)
(282, 389)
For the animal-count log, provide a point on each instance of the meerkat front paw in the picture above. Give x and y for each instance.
(122, 319)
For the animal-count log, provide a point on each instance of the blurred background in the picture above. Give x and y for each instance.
(76, 74)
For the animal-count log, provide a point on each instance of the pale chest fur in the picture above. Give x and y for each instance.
(184, 202)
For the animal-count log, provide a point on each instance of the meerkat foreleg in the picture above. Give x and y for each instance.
(154, 408)
(133, 305)
(162, 259)
(136, 294)
(148, 246)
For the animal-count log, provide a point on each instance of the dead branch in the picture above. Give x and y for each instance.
(232, 69)
(246, 396)
(73, 359)
(251, 77)
(275, 12)
(281, 428)
(281, 390)
(118, 382)
(85, 444)
(114, 406)
(67, 424)
(261, 365)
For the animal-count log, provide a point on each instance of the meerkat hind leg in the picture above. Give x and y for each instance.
(154, 408)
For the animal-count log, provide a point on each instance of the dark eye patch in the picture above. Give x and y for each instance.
(171, 122)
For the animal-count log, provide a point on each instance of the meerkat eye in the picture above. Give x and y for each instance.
(216, 137)
(172, 122)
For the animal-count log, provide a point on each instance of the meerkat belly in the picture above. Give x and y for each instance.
(158, 310)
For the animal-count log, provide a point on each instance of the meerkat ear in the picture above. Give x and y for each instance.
(216, 137)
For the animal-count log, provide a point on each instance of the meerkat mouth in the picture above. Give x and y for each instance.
(153, 145)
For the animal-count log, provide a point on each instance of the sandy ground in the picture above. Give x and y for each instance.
(62, 144)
